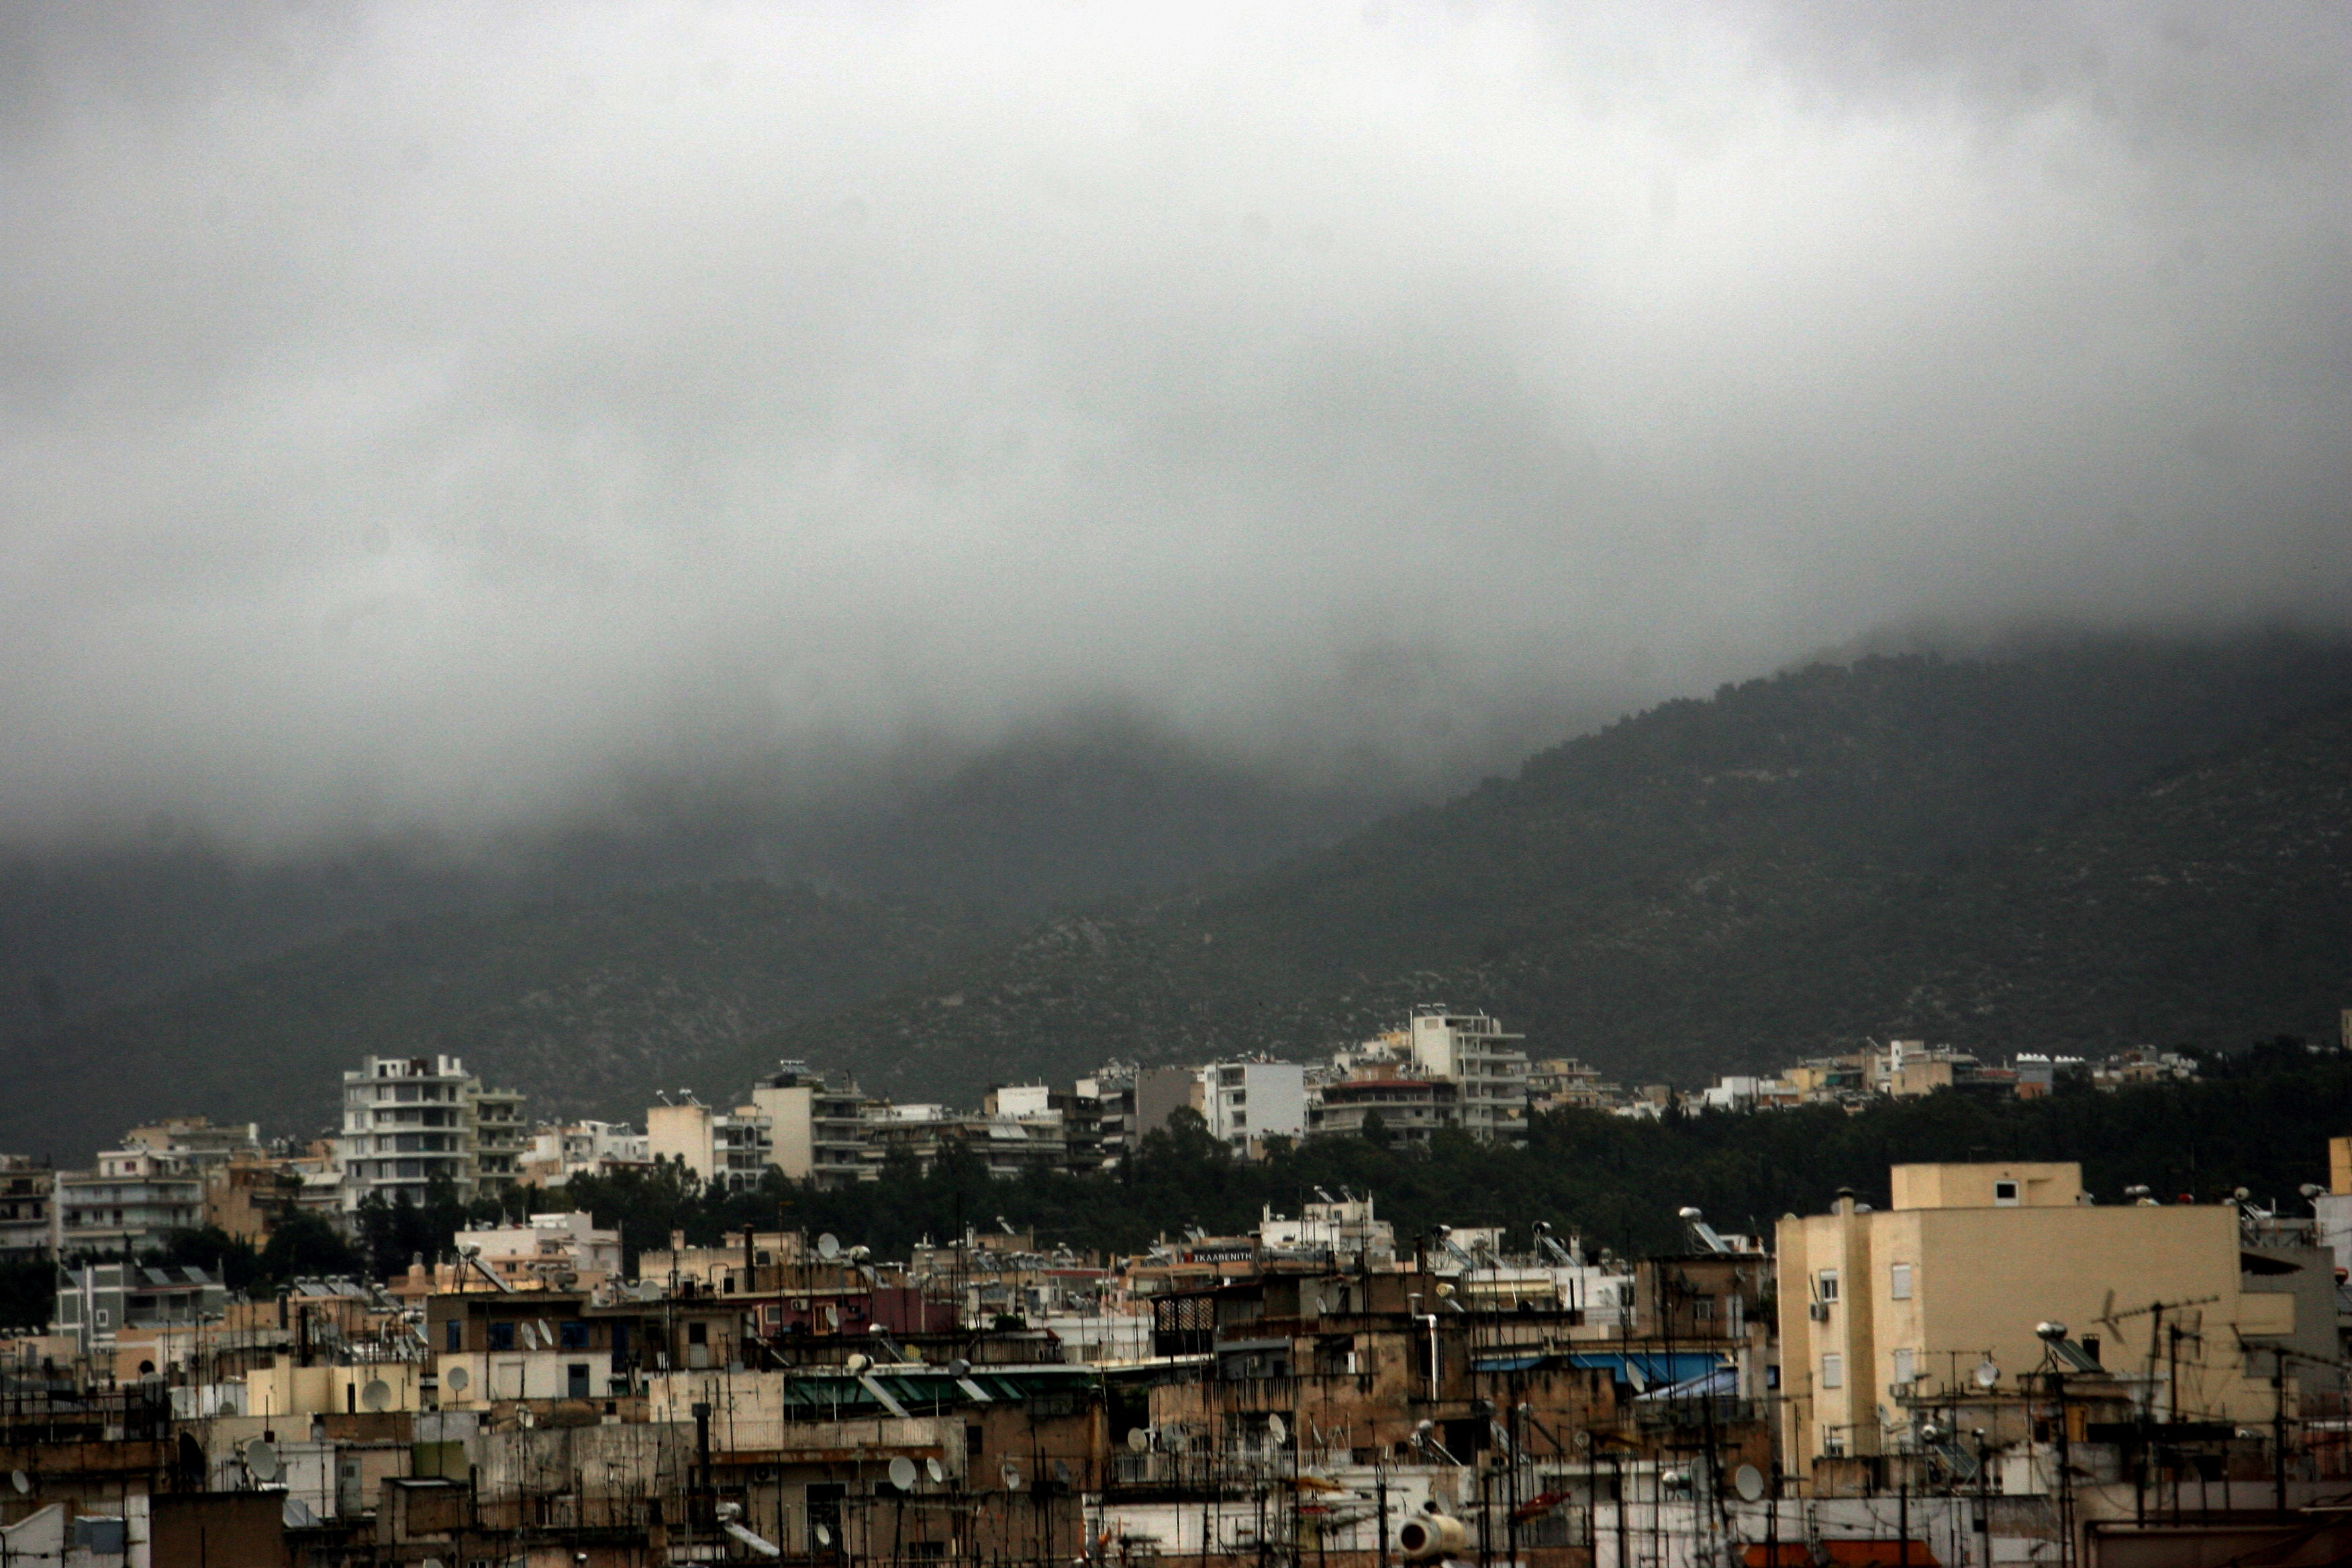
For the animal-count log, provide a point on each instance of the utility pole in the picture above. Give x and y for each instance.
(2278, 1425)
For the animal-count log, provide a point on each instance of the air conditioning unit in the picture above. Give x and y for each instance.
(1818, 1311)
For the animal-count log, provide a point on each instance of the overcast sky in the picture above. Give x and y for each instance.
(427, 414)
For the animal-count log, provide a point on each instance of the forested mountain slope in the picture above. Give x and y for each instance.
(2019, 855)
(588, 1007)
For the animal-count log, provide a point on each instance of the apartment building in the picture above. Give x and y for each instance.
(547, 1251)
(99, 1300)
(27, 1226)
(1887, 1317)
(1248, 1102)
(1404, 1108)
(724, 1148)
(500, 1139)
(1491, 1066)
(132, 1200)
(816, 1129)
(412, 1121)
(582, 1148)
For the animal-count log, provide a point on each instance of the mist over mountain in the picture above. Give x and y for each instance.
(2088, 843)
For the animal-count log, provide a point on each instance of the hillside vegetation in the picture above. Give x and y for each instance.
(2047, 853)
(588, 1007)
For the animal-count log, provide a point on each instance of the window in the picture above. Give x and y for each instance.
(2004, 1194)
(1827, 1281)
(572, 1335)
(502, 1336)
(1832, 1372)
(1832, 1443)
(698, 1333)
(1703, 1309)
(1903, 1369)
(454, 1334)
(1899, 1282)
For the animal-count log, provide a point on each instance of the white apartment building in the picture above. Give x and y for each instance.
(816, 1131)
(1491, 1066)
(133, 1197)
(725, 1148)
(1248, 1102)
(409, 1121)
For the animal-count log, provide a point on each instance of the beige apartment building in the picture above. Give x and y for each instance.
(1888, 1315)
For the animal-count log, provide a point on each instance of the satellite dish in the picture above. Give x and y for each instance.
(20, 1481)
(1138, 1440)
(902, 1473)
(828, 1247)
(1987, 1374)
(859, 1363)
(546, 1335)
(937, 1471)
(1011, 1475)
(1748, 1481)
(1278, 1429)
(528, 1332)
(458, 1379)
(377, 1395)
(1061, 1473)
(833, 1317)
(824, 1536)
(261, 1461)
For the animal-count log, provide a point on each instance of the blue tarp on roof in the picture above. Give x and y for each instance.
(1648, 1368)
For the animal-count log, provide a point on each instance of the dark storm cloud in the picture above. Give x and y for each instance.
(427, 414)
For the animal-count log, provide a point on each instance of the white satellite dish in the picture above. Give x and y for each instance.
(832, 1317)
(937, 1471)
(261, 1461)
(1138, 1440)
(1748, 1481)
(828, 1247)
(546, 1335)
(1987, 1374)
(902, 1473)
(824, 1536)
(458, 1379)
(1011, 1476)
(20, 1481)
(527, 1335)
(377, 1395)
(1278, 1429)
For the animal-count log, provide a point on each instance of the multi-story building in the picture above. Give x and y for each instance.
(1378, 1099)
(1006, 1145)
(99, 1300)
(1472, 1050)
(28, 1226)
(409, 1122)
(1564, 1083)
(1248, 1102)
(816, 1129)
(1111, 1092)
(548, 1252)
(582, 1148)
(724, 1148)
(500, 1139)
(1983, 1284)
(133, 1199)
(1160, 1094)
(199, 1144)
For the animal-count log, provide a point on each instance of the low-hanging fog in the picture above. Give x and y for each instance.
(468, 418)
